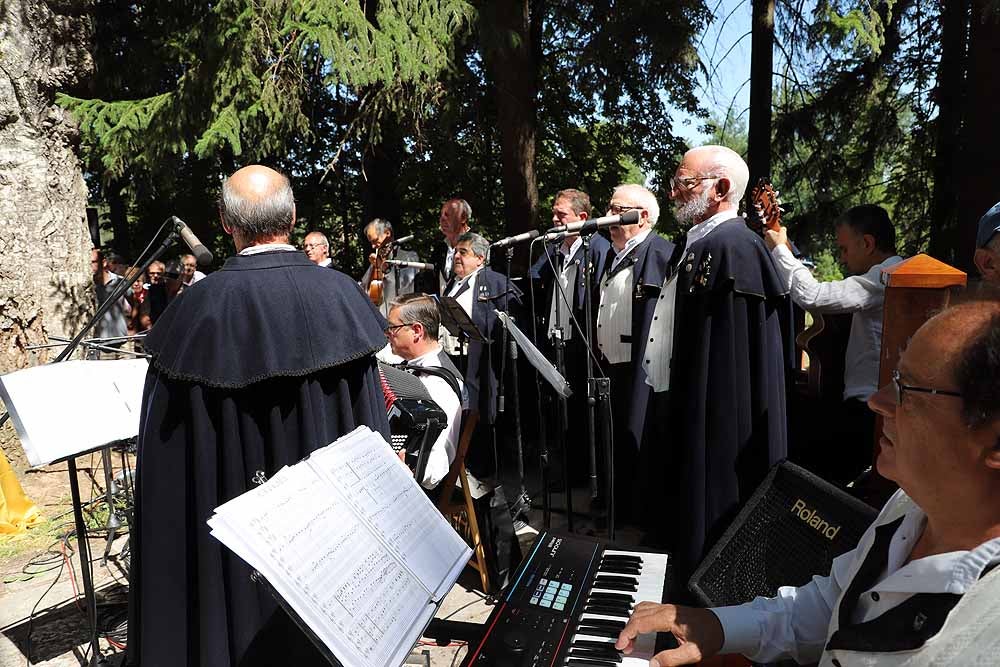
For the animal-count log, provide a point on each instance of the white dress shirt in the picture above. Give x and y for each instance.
(567, 285)
(449, 259)
(862, 295)
(465, 300)
(630, 246)
(267, 247)
(443, 451)
(326, 262)
(702, 229)
(796, 622)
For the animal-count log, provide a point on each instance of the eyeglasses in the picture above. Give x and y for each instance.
(899, 389)
(618, 209)
(391, 329)
(688, 182)
(310, 246)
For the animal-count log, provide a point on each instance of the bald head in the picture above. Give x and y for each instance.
(257, 206)
(967, 341)
(722, 162)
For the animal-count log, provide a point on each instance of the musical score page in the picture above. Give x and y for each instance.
(306, 541)
(363, 468)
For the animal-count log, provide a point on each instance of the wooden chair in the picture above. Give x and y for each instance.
(456, 505)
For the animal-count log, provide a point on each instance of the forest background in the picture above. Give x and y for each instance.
(385, 108)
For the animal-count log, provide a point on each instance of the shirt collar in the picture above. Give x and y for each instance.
(572, 249)
(267, 247)
(631, 244)
(429, 356)
(703, 229)
(462, 281)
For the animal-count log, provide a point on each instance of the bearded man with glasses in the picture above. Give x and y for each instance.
(715, 360)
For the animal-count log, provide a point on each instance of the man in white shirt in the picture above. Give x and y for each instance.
(920, 588)
(317, 248)
(189, 270)
(867, 243)
(413, 331)
(114, 322)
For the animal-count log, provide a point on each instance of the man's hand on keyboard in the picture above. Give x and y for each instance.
(698, 632)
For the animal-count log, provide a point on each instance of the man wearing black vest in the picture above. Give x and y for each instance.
(921, 588)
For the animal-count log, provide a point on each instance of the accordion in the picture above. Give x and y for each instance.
(415, 420)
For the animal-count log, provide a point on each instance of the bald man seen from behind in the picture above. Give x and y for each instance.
(252, 369)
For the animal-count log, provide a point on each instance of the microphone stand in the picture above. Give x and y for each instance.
(598, 392)
(543, 440)
(562, 421)
(74, 485)
(509, 346)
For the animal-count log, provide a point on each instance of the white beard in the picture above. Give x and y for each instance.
(692, 211)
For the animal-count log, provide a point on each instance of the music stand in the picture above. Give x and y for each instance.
(458, 324)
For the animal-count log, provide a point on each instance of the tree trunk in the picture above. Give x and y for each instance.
(45, 283)
(761, 69)
(980, 165)
(950, 99)
(506, 34)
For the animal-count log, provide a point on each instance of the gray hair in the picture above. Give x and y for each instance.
(322, 237)
(725, 162)
(641, 197)
(263, 217)
(380, 225)
(463, 206)
(480, 245)
(417, 307)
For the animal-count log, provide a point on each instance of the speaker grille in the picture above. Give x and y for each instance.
(792, 528)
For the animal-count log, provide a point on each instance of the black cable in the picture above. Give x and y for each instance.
(31, 616)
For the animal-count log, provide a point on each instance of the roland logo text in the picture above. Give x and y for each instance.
(810, 516)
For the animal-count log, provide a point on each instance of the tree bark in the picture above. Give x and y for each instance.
(950, 99)
(45, 282)
(761, 69)
(505, 31)
(980, 165)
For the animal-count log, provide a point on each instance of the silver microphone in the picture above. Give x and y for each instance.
(419, 266)
(405, 239)
(590, 226)
(511, 240)
(198, 249)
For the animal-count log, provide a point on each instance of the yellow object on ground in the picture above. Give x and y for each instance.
(17, 512)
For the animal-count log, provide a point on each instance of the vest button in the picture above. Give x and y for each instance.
(875, 596)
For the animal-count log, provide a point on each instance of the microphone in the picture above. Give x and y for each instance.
(591, 226)
(419, 266)
(405, 239)
(555, 237)
(198, 249)
(511, 240)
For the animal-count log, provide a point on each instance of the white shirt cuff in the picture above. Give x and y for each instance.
(740, 629)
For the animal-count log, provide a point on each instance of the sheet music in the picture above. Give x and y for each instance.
(61, 410)
(304, 538)
(381, 489)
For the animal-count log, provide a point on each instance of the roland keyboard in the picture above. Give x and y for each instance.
(570, 598)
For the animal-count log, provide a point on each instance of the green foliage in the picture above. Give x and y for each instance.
(827, 269)
(246, 68)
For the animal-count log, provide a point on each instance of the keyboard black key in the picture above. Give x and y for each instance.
(619, 569)
(596, 596)
(591, 643)
(603, 623)
(617, 579)
(598, 631)
(615, 586)
(600, 654)
(607, 611)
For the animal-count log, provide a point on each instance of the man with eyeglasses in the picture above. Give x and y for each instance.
(866, 239)
(629, 290)
(317, 248)
(413, 335)
(715, 359)
(922, 586)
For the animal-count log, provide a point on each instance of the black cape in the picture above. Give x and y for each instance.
(253, 368)
(724, 415)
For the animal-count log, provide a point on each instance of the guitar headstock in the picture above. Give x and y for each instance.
(765, 201)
